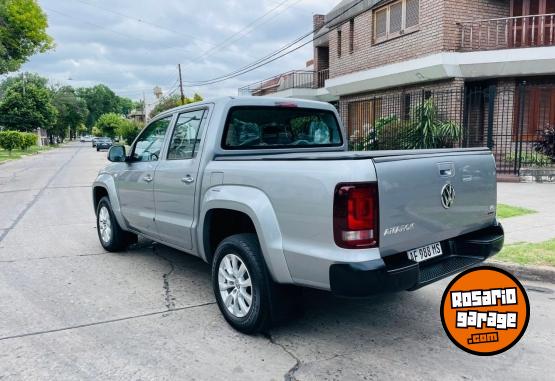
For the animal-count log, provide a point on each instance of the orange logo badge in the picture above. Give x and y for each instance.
(485, 311)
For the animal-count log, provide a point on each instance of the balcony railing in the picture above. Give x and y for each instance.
(508, 32)
(296, 79)
(323, 75)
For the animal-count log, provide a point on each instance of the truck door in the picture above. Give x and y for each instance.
(135, 182)
(175, 180)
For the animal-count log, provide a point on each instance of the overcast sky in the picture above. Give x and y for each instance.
(103, 41)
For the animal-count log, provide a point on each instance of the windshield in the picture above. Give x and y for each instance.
(264, 127)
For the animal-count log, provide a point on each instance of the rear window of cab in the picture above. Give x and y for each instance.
(275, 127)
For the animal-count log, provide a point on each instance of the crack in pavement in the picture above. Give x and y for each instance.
(5, 232)
(170, 300)
(106, 321)
(290, 375)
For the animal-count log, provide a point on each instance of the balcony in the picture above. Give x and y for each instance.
(508, 33)
(296, 79)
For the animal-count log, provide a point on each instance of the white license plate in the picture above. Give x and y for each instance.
(424, 253)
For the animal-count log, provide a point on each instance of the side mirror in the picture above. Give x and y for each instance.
(116, 154)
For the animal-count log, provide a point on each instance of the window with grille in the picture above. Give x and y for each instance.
(351, 35)
(396, 19)
(339, 38)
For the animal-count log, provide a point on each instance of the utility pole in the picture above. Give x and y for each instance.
(144, 107)
(181, 85)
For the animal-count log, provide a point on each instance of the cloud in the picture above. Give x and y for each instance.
(133, 46)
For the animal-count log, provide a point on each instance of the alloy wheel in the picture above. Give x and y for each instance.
(235, 285)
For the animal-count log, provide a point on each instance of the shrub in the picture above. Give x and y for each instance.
(386, 134)
(28, 139)
(129, 130)
(546, 143)
(429, 131)
(425, 129)
(10, 140)
(530, 159)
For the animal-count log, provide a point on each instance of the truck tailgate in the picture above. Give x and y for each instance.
(433, 197)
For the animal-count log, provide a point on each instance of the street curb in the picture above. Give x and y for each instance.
(534, 273)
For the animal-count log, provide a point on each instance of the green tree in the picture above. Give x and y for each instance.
(21, 81)
(10, 140)
(96, 131)
(170, 102)
(82, 129)
(27, 105)
(100, 100)
(129, 130)
(139, 105)
(110, 124)
(72, 110)
(22, 33)
(126, 105)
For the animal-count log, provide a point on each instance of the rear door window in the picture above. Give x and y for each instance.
(265, 127)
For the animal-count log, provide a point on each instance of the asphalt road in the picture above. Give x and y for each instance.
(69, 310)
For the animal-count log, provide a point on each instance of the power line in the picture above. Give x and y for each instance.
(146, 22)
(273, 56)
(239, 33)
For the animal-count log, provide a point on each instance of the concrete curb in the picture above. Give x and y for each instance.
(534, 273)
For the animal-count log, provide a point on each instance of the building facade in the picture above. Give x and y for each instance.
(486, 65)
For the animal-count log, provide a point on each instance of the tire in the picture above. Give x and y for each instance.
(97, 149)
(112, 237)
(257, 317)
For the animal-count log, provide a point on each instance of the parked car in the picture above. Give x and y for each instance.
(86, 139)
(265, 191)
(103, 143)
(94, 140)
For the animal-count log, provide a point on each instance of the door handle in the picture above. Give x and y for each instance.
(187, 180)
(147, 178)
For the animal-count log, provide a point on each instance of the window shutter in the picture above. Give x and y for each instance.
(381, 23)
(412, 13)
(396, 17)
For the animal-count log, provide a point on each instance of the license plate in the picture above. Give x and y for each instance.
(424, 253)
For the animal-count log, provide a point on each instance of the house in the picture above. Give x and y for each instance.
(486, 65)
(137, 116)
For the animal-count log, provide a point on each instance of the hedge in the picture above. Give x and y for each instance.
(10, 140)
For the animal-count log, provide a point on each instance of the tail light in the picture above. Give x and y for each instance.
(355, 215)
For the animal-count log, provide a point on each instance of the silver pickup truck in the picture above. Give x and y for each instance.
(266, 192)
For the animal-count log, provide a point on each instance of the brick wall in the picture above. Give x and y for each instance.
(438, 31)
(466, 10)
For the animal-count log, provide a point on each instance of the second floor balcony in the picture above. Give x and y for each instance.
(296, 79)
(509, 32)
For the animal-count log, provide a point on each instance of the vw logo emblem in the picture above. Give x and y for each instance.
(447, 196)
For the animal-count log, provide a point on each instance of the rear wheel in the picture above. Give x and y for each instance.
(242, 284)
(112, 236)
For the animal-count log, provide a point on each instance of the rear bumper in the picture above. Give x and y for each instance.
(397, 272)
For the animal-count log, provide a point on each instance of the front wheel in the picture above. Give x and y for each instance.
(112, 236)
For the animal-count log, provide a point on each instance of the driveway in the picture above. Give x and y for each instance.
(69, 310)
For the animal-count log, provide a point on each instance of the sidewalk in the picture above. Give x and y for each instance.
(537, 227)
